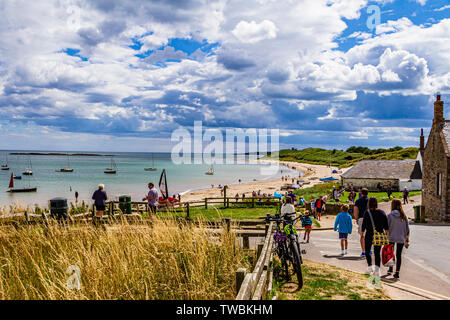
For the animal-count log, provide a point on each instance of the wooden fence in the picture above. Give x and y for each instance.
(255, 285)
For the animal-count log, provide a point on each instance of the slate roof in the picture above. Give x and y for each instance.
(385, 169)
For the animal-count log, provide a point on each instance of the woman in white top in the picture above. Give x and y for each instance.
(288, 208)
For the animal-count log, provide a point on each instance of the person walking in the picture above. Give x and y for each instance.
(398, 233)
(237, 197)
(405, 195)
(389, 191)
(374, 219)
(152, 198)
(76, 196)
(99, 198)
(319, 206)
(358, 211)
(307, 224)
(343, 224)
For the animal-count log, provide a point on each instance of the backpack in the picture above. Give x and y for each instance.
(387, 255)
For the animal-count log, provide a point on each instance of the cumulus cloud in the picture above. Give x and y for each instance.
(116, 70)
(252, 32)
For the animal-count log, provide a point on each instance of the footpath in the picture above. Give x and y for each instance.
(424, 273)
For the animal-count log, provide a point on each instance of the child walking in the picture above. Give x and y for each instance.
(307, 224)
(343, 224)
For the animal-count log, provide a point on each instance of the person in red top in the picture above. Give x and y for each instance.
(319, 206)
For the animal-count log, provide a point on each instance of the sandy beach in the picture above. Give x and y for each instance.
(311, 175)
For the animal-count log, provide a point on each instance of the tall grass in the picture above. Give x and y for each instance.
(162, 260)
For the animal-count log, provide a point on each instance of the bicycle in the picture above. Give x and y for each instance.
(287, 245)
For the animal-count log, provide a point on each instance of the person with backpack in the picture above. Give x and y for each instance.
(398, 233)
(405, 195)
(319, 204)
(343, 224)
(375, 222)
(358, 211)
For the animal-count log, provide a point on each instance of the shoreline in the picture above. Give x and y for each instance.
(310, 177)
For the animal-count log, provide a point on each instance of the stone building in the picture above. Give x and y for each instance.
(436, 166)
(397, 173)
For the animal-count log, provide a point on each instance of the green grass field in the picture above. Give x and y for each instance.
(314, 192)
(325, 282)
(217, 213)
(344, 159)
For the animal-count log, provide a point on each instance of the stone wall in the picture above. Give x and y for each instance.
(370, 184)
(435, 161)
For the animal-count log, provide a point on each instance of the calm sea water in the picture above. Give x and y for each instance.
(131, 179)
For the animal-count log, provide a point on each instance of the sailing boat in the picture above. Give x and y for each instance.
(210, 172)
(28, 171)
(68, 168)
(152, 168)
(26, 189)
(5, 166)
(112, 169)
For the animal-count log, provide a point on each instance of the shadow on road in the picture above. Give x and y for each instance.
(341, 257)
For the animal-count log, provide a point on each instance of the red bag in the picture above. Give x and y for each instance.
(387, 255)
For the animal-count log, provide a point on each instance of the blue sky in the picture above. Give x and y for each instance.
(123, 75)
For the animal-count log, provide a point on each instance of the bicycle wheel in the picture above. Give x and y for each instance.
(297, 263)
(284, 261)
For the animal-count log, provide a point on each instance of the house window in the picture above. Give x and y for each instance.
(439, 184)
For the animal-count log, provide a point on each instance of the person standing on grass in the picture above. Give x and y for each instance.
(152, 198)
(99, 198)
(380, 220)
(398, 233)
(389, 191)
(343, 224)
(307, 224)
(358, 211)
(405, 195)
(319, 206)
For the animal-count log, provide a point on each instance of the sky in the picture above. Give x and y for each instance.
(123, 75)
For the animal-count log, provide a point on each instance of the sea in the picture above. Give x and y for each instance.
(131, 178)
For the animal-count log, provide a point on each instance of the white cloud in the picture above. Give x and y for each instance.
(252, 32)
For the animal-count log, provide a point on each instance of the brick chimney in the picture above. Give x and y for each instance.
(422, 142)
(438, 110)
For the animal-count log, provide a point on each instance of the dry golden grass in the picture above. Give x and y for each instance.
(161, 260)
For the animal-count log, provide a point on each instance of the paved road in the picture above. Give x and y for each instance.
(425, 263)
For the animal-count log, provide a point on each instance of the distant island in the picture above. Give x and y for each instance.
(58, 154)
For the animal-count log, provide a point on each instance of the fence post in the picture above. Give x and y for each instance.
(227, 223)
(224, 196)
(240, 275)
(260, 247)
(267, 225)
(27, 217)
(245, 242)
(187, 211)
(206, 203)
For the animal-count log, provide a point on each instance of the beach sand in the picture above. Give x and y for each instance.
(311, 175)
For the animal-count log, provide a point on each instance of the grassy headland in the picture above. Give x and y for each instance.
(344, 159)
(314, 192)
